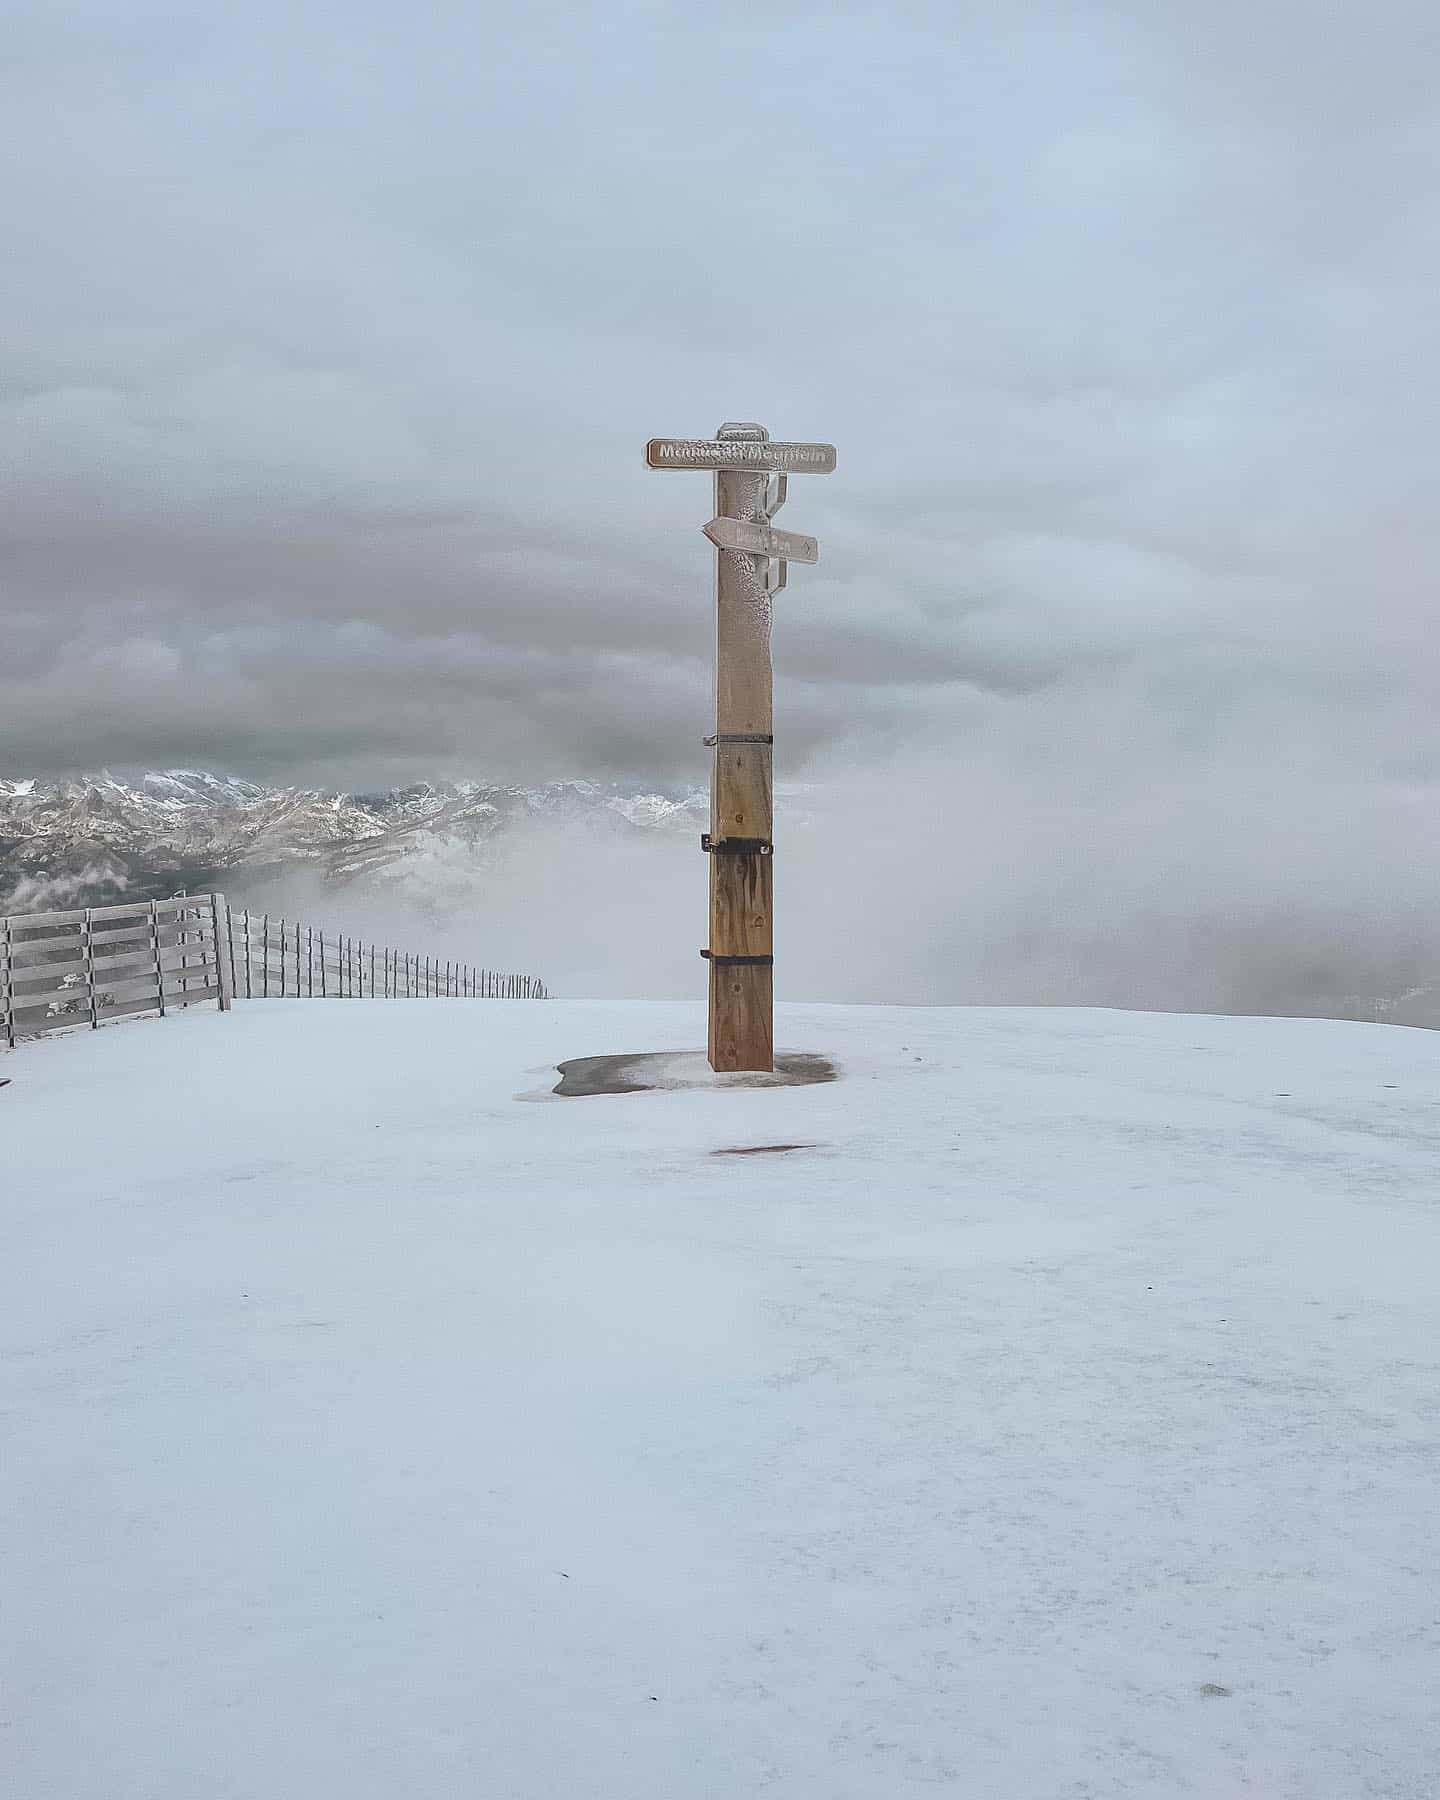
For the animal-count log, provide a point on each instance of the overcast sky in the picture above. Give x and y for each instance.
(332, 335)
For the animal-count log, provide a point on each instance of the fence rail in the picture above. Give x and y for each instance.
(63, 970)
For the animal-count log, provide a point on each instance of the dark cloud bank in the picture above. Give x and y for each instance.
(335, 334)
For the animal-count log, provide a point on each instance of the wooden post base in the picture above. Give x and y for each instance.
(741, 1003)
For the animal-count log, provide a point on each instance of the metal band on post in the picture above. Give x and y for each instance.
(735, 846)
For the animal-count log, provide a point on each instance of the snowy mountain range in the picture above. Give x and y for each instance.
(91, 839)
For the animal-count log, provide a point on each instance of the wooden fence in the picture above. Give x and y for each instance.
(275, 959)
(61, 970)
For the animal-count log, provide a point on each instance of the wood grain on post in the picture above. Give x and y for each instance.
(741, 1030)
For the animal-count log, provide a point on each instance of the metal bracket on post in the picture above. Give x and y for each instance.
(775, 582)
(736, 846)
(759, 962)
(776, 495)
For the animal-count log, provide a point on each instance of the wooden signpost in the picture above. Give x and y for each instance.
(751, 559)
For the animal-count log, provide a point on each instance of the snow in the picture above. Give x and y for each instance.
(375, 1427)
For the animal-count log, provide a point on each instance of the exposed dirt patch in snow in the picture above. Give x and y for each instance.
(648, 1072)
(759, 1149)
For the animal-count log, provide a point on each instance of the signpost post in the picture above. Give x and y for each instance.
(751, 475)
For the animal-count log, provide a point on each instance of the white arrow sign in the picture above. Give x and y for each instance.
(761, 540)
(740, 453)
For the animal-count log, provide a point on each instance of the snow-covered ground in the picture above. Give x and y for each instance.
(1061, 1422)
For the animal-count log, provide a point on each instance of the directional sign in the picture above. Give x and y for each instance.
(740, 453)
(761, 540)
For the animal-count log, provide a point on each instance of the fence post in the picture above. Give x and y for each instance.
(157, 956)
(87, 955)
(322, 966)
(7, 986)
(224, 980)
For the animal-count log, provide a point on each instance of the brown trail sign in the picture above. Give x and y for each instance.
(740, 838)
